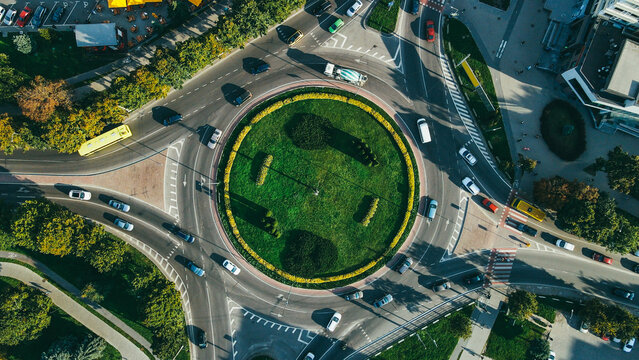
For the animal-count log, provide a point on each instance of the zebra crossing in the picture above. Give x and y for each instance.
(500, 265)
(437, 5)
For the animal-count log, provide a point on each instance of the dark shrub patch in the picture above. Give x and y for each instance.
(306, 254)
(563, 129)
(310, 132)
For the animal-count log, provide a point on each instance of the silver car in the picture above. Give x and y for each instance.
(120, 205)
(214, 138)
(123, 224)
(9, 17)
(470, 158)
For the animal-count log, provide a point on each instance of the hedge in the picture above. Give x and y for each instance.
(371, 212)
(261, 176)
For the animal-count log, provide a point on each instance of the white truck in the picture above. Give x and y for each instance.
(348, 75)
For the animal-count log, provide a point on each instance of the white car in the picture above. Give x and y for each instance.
(2, 11)
(231, 267)
(629, 344)
(470, 185)
(334, 321)
(552, 356)
(9, 17)
(353, 9)
(123, 224)
(566, 245)
(309, 356)
(470, 158)
(80, 195)
(120, 205)
(214, 138)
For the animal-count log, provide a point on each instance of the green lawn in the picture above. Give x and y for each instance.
(61, 325)
(511, 342)
(383, 19)
(345, 185)
(546, 309)
(557, 115)
(459, 43)
(421, 347)
(56, 59)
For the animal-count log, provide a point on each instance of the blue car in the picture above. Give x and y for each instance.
(38, 16)
(57, 14)
(415, 7)
(196, 269)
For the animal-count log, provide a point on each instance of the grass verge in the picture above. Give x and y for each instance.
(61, 325)
(382, 18)
(556, 119)
(421, 345)
(511, 342)
(458, 44)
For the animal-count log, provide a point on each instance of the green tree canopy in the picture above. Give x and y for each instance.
(10, 79)
(539, 350)
(24, 313)
(623, 171)
(522, 304)
(460, 325)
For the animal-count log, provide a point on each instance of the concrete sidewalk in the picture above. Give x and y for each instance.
(483, 318)
(60, 281)
(127, 349)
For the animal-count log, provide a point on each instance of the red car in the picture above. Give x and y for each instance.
(24, 17)
(430, 31)
(601, 257)
(489, 205)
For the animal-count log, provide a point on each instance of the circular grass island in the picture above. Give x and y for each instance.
(319, 188)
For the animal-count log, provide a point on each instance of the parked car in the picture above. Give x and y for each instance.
(231, 267)
(243, 97)
(521, 227)
(415, 8)
(297, 35)
(441, 285)
(336, 26)
(474, 279)
(120, 205)
(489, 205)
(584, 327)
(565, 245)
(309, 356)
(468, 156)
(125, 225)
(9, 17)
(430, 31)
(260, 68)
(201, 339)
(57, 14)
(2, 11)
(172, 119)
(383, 301)
(80, 195)
(601, 258)
(321, 8)
(354, 295)
(332, 324)
(470, 185)
(215, 137)
(38, 16)
(184, 236)
(432, 209)
(24, 16)
(196, 269)
(636, 268)
(629, 344)
(404, 264)
(626, 294)
(552, 356)
(353, 9)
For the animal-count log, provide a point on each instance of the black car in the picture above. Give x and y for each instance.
(626, 294)
(521, 227)
(636, 268)
(260, 68)
(172, 119)
(321, 8)
(474, 279)
(415, 9)
(242, 98)
(201, 339)
(57, 14)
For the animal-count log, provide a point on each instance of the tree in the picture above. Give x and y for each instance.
(23, 43)
(138, 89)
(169, 69)
(107, 254)
(552, 193)
(90, 348)
(604, 222)
(522, 304)
(61, 349)
(623, 171)
(9, 139)
(10, 79)
(193, 55)
(460, 325)
(574, 215)
(624, 239)
(90, 293)
(27, 221)
(527, 164)
(42, 97)
(310, 132)
(539, 350)
(24, 313)
(627, 324)
(46, 33)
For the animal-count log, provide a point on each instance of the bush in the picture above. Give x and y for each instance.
(563, 130)
(266, 164)
(311, 132)
(371, 212)
(367, 156)
(23, 43)
(306, 254)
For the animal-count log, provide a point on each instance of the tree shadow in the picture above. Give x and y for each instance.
(160, 113)
(256, 164)
(362, 208)
(247, 210)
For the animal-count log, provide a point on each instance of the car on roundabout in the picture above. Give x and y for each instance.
(215, 137)
(232, 268)
(432, 209)
(383, 301)
(260, 68)
(119, 205)
(122, 224)
(404, 264)
(172, 119)
(80, 195)
(354, 295)
(196, 269)
(335, 319)
(201, 339)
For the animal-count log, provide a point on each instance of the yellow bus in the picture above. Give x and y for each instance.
(101, 141)
(528, 209)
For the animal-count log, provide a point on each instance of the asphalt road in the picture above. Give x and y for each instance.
(244, 315)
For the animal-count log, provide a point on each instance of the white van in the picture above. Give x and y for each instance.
(424, 133)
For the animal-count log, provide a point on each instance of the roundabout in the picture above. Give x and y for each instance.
(320, 187)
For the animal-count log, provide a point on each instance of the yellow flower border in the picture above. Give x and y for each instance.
(318, 96)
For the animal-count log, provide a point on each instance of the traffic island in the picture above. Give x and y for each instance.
(303, 224)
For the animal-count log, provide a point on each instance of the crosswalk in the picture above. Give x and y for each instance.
(515, 215)
(437, 5)
(500, 265)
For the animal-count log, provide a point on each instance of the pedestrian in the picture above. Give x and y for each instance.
(523, 42)
(525, 134)
(537, 136)
(519, 140)
(521, 122)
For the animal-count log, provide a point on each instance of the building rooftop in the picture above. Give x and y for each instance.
(624, 78)
(95, 35)
(601, 54)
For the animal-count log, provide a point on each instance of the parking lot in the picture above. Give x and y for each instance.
(569, 343)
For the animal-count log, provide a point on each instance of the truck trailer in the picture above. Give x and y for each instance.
(348, 75)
